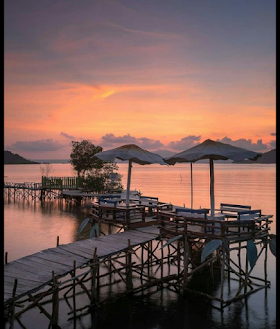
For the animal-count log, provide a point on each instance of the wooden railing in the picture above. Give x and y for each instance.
(115, 214)
(172, 225)
(61, 182)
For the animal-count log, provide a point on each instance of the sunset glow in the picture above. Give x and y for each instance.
(160, 74)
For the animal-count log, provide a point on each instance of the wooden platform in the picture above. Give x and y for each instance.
(35, 271)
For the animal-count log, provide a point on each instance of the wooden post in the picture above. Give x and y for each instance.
(246, 274)
(161, 262)
(186, 260)
(127, 215)
(129, 268)
(55, 303)
(265, 262)
(142, 263)
(222, 276)
(178, 256)
(143, 214)
(13, 305)
(93, 277)
(74, 288)
(148, 259)
(212, 194)
(57, 241)
(228, 255)
(6, 257)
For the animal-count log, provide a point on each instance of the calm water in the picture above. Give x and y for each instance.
(32, 226)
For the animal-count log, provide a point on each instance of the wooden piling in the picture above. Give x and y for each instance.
(13, 305)
(186, 260)
(55, 303)
(74, 286)
(222, 276)
(93, 277)
(129, 267)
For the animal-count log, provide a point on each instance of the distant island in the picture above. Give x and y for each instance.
(267, 157)
(11, 158)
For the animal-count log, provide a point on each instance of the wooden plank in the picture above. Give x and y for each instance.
(102, 244)
(37, 265)
(65, 265)
(139, 235)
(104, 247)
(75, 251)
(134, 238)
(111, 243)
(66, 255)
(84, 248)
(20, 281)
(109, 250)
(18, 271)
(21, 288)
(45, 260)
(24, 277)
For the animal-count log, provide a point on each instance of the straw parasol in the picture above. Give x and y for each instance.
(132, 153)
(212, 150)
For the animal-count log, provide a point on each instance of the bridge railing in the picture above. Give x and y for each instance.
(25, 185)
(61, 182)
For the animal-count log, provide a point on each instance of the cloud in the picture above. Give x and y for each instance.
(148, 143)
(111, 139)
(185, 143)
(273, 134)
(273, 144)
(246, 143)
(144, 142)
(68, 136)
(43, 145)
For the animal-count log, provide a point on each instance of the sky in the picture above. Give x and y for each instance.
(160, 74)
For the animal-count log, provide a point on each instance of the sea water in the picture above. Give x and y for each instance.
(33, 226)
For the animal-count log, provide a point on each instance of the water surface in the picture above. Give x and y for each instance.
(33, 226)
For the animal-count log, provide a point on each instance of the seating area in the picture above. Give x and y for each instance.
(231, 222)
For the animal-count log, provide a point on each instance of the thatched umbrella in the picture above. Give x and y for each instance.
(213, 151)
(132, 153)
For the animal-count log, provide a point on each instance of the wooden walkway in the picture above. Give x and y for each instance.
(33, 272)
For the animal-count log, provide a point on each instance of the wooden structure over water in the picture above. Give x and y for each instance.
(30, 279)
(167, 255)
(50, 188)
(231, 235)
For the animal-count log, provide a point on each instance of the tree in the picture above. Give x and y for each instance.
(47, 169)
(81, 157)
(95, 174)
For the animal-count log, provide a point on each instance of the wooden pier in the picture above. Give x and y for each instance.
(34, 277)
(60, 259)
(165, 250)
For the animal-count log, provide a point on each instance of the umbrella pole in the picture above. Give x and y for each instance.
(128, 182)
(212, 199)
(191, 187)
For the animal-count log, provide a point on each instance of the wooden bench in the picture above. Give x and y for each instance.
(195, 213)
(231, 210)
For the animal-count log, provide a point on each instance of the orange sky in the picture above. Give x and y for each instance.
(138, 72)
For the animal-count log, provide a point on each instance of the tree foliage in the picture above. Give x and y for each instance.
(95, 174)
(81, 157)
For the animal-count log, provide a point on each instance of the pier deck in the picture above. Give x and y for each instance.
(33, 272)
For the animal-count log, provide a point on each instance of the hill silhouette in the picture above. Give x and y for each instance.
(12, 158)
(268, 157)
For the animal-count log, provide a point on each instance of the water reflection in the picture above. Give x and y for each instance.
(33, 226)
